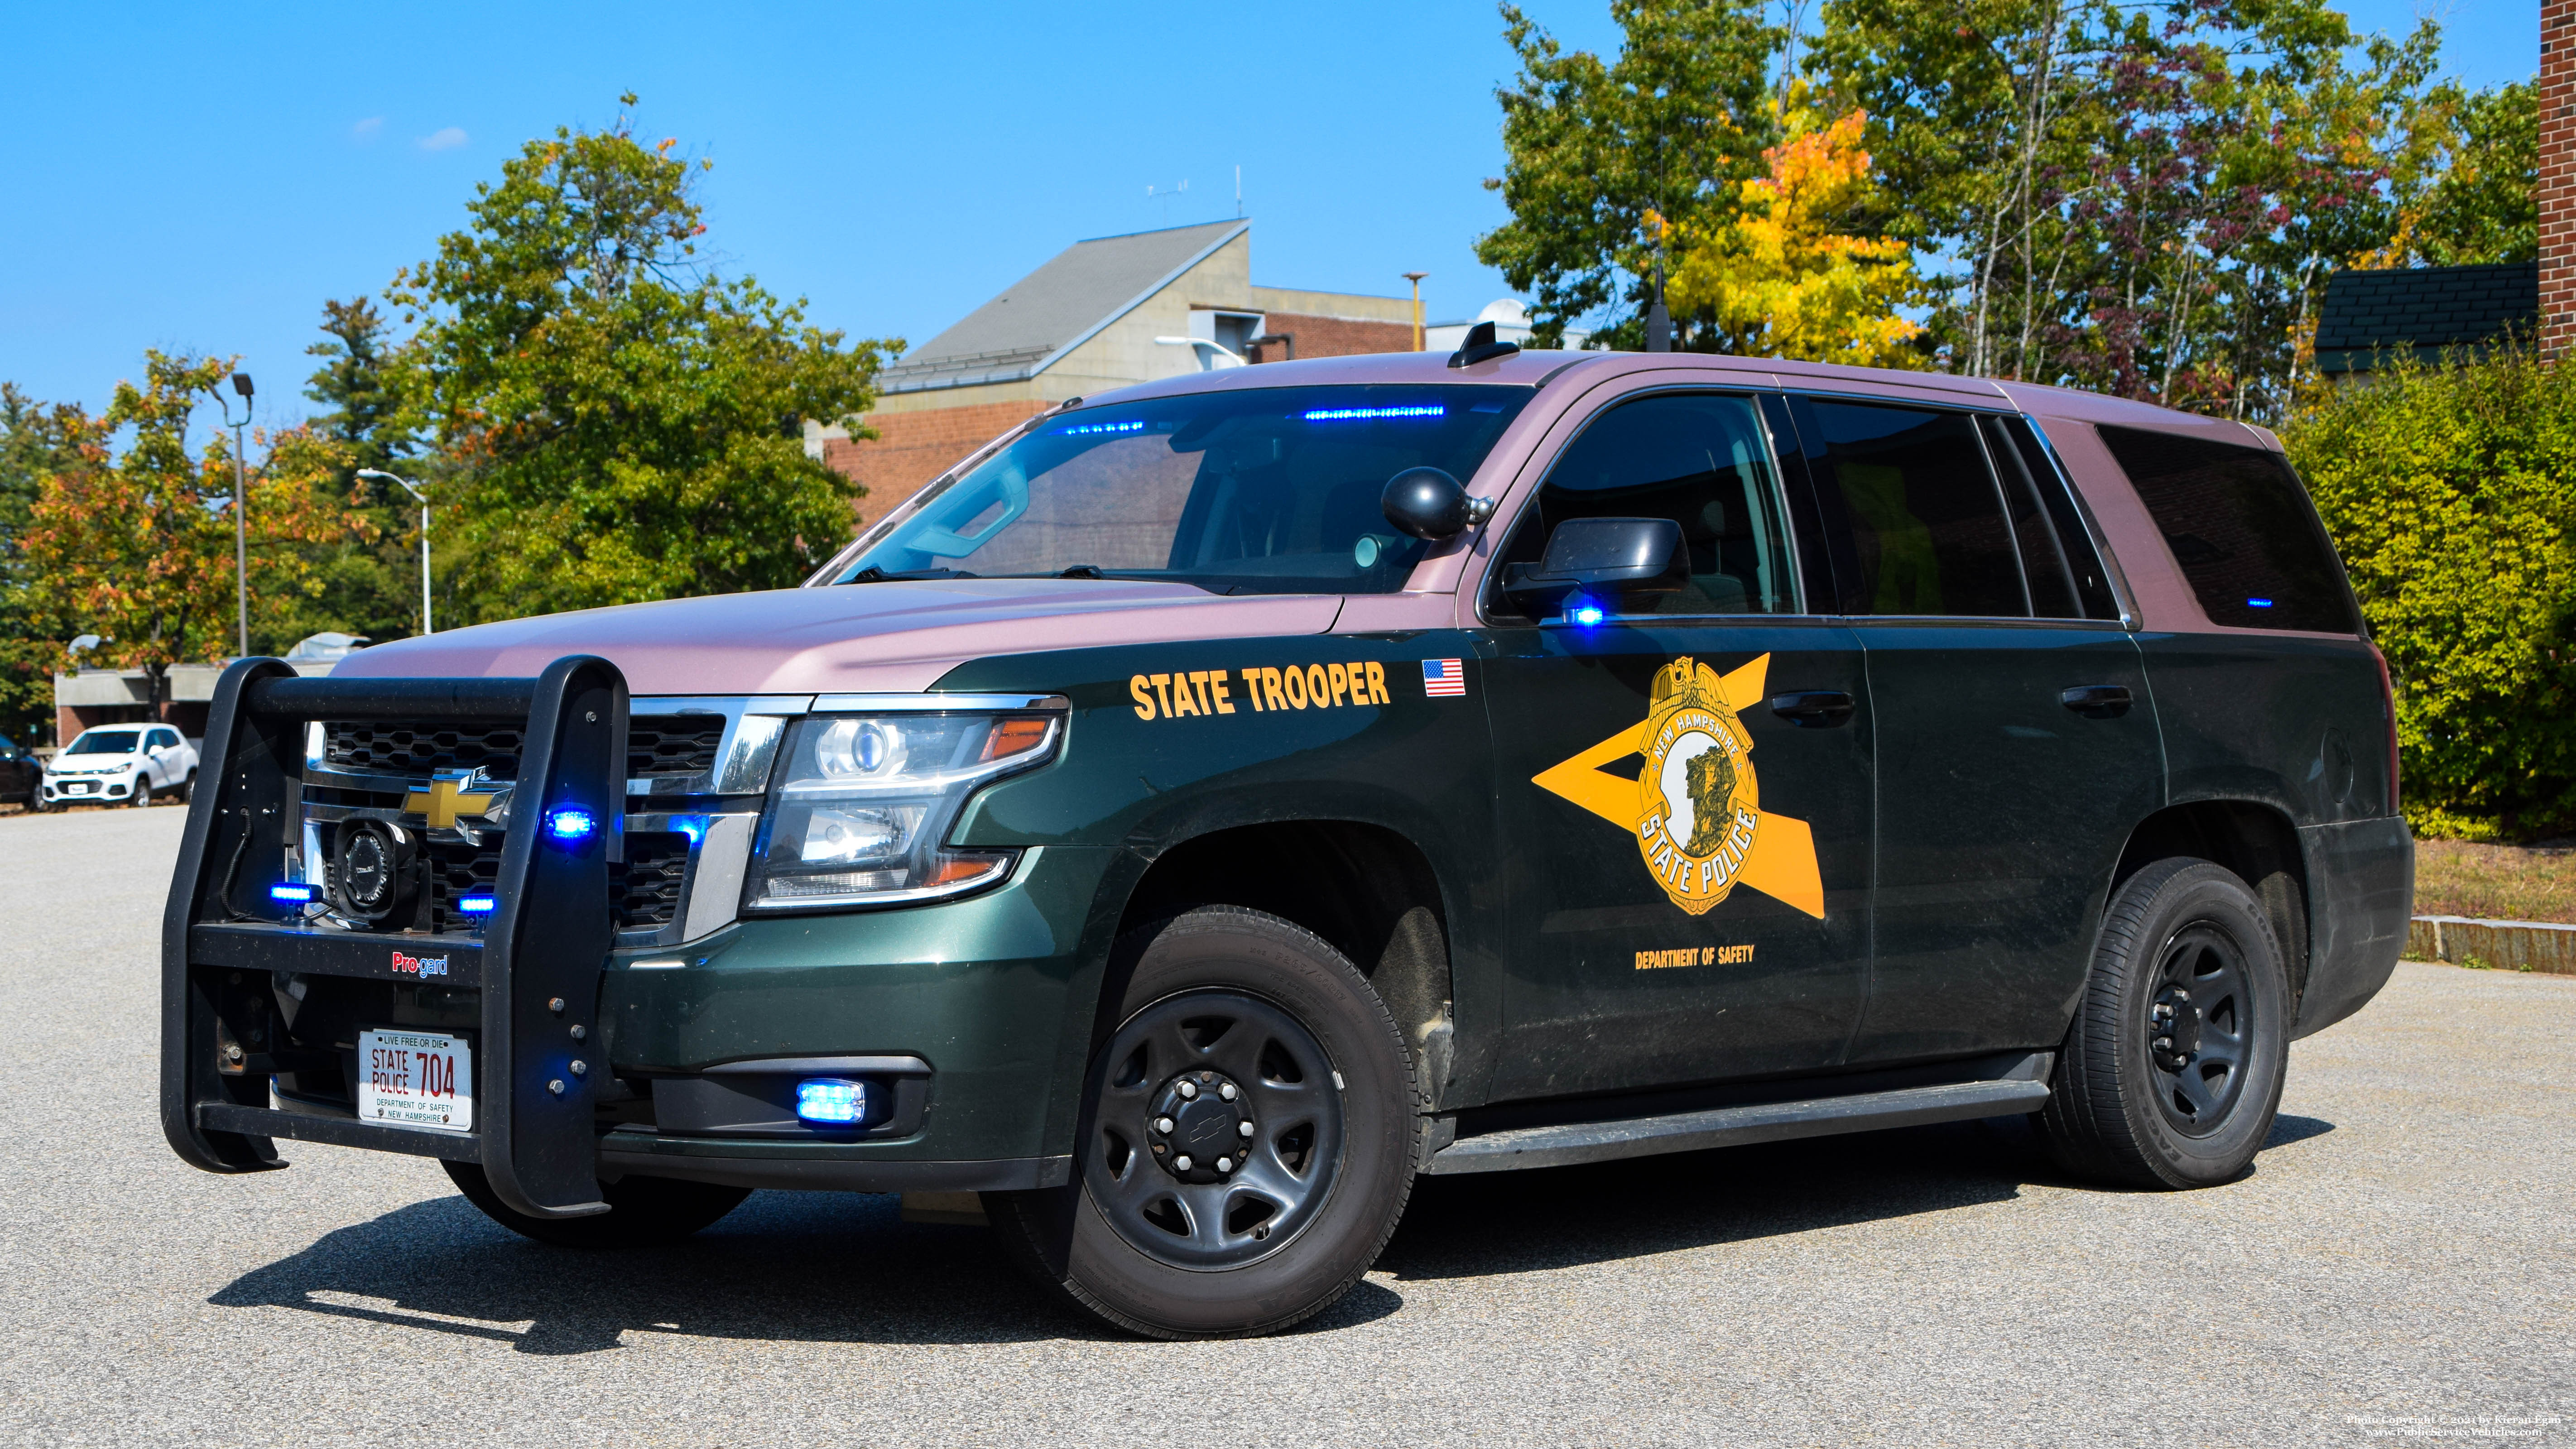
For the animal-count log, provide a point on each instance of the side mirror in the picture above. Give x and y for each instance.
(1607, 556)
(1429, 504)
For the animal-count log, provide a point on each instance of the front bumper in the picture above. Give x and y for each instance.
(989, 993)
(78, 789)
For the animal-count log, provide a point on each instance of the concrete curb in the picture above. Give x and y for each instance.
(2540, 946)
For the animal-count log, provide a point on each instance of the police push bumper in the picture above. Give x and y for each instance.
(238, 939)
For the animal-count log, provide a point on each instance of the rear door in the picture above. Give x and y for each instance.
(1687, 870)
(2017, 744)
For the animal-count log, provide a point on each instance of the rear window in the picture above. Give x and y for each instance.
(2240, 524)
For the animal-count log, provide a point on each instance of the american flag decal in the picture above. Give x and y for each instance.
(1443, 677)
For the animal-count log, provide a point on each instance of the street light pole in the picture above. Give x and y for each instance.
(1416, 279)
(414, 490)
(241, 511)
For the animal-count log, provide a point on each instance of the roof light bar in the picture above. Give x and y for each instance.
(1345, 415)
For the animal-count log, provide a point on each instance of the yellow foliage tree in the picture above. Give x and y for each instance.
(1781, 279)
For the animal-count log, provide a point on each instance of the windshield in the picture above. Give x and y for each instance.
(1267, 490)
(104, 742)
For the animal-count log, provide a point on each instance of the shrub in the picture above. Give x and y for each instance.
(2447, 489)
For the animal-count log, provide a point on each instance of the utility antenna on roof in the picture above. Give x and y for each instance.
(1238, 192)
(1167, 196)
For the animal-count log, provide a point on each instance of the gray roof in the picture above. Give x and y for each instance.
(2423, 310)
(1047, 313)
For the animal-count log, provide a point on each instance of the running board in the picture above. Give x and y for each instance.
(1737, 1126)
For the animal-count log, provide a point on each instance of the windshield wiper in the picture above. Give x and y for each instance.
(874, 575)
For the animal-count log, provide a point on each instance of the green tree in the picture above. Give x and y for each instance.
(368, 584)
(140, 550)
(2445, 490)
(617, 423)
(2145, 201)
(1670, 128)
(37, 443)
(2484, 207)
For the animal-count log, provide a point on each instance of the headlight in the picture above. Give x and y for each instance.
(861, 808)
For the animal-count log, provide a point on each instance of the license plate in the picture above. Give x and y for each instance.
(415, 1079)
(77, 787)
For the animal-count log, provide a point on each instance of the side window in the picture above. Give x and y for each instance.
(166, 739)
(1922, 527)
(2240, 524)
(1700, 459)
(2017, 446)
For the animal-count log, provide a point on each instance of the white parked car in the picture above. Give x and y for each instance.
(124, 764)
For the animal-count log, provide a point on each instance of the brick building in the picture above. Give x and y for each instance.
(1100, 314)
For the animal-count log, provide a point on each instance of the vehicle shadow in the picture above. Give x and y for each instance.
(845, 1268)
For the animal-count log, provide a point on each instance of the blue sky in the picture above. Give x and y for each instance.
(202, 177)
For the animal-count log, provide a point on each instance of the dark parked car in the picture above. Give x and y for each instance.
(20, 774)
(1221, 801)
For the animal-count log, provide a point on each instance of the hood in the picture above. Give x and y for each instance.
(895, 636)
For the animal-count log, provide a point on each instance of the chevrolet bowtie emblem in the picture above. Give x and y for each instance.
(448, 800)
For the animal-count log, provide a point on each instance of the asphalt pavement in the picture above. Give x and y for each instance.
(2396, 1268)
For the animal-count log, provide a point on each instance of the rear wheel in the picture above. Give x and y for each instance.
(2172, 1071)
(1249, 1138)
(643, 1211)
(188, 788)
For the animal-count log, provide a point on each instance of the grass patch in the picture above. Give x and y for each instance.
(2494, 882)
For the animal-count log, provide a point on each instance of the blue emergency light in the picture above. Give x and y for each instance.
(293, 894)
(478, 905)
(832, 1101)
(570, 822)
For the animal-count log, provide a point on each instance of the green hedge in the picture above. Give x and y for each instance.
(2450, 491)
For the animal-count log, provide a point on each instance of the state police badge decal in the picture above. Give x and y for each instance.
(1695, 807)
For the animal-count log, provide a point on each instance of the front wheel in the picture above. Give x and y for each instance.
(643, 1211)
(1249, 1137)
(141, 798)
(2171, 1073)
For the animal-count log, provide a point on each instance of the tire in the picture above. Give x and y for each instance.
(141, 798)
(188, 788)
(2171, 1074)
(644, 1211)
(1162, 1241)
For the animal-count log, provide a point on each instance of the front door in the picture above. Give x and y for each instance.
(2017, 744)
(1688, 869)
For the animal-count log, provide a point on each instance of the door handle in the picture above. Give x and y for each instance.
(1814, 709)
(2096, 701)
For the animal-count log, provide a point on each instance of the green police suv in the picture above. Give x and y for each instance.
(1219, 802)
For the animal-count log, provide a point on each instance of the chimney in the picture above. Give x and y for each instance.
(2557, 177)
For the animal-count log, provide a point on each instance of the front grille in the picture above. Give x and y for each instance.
(418, 749)
(672, 744)
(644, 890)
(658, 746)
(458, 869)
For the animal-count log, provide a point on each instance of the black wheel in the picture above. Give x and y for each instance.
(142, 793)
(644, 1211)
(188, 788)
(2172, 1071)
(1250, 1133)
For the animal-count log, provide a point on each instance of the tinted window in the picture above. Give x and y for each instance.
(165, 739)
(1699, 459)
(1257, 490)
(2017, 447)
(1923, 523)
(2240, 524)
(105, 742)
